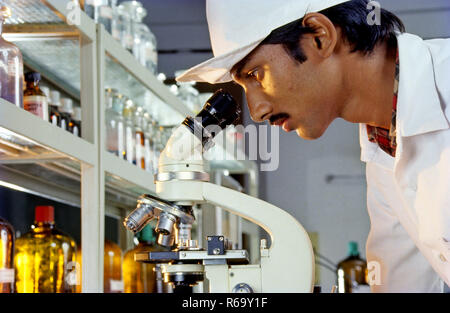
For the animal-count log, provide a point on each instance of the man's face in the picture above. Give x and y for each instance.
(278, 88)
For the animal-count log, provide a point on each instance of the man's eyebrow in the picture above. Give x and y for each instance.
(237, 69)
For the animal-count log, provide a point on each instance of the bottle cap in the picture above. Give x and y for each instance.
(32, 76)
(55, 98)
(67, 105)
(353, 248)
(77, 113)
(44, 213)
(46, 91)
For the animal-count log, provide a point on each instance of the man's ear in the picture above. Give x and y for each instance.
(324, 38)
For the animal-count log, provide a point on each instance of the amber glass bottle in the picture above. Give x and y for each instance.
(140, 277)
(44, 256)
(6, 257)
(112, 274)
(112, 268)
(352, 272)
(34, 99)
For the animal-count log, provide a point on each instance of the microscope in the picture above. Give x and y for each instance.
(287, 265)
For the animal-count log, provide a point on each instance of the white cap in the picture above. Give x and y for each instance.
(236, 27)
(67, 105)
(77, 113)
(55, 98)
(45, 90)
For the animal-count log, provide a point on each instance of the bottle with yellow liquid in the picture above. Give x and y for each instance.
(139, 277)
(352, 272)
(6, 257)
(112, 268)
(44, 257)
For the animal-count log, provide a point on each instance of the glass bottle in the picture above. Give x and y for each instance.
(101, 11)
(134, 13)
(130, 133)
(11, 66)
(149, 144)
(124, 28)
(112, 275)
(66, 112)
(6, 257)
(54, 105)
(188, 94)
(34, 99)
(44, 256)
(76, 120)
(352, 272)
(140, 136)
(140, 277)
(114, 122)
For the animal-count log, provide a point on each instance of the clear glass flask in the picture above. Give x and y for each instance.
(11, 66)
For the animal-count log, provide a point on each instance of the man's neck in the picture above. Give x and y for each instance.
(370, 80)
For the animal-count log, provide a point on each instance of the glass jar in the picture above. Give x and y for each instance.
(11, 66)
(147, 50)
(6, 257)
(43, 256)
(114, 122)
(101, 11)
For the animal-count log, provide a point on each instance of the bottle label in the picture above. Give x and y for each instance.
(37, 105)
(6, 275)
(116, 285)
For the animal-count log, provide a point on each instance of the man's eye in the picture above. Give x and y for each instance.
(252, 74)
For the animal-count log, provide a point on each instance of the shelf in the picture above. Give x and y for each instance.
(125, 175)
(37, 138)
(32, 11)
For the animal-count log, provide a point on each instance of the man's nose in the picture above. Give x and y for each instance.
(259, 109)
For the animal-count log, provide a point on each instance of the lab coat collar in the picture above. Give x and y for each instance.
(418, 106)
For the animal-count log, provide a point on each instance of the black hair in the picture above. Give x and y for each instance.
(352, 18)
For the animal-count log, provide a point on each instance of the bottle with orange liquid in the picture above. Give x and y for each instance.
(44, 257)
(112, 268)
(139, 277)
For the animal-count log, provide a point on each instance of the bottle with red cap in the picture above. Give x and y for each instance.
(45, 257)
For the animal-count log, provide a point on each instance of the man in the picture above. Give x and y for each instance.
(304, 63)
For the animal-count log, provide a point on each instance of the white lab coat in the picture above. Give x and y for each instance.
(408, 197)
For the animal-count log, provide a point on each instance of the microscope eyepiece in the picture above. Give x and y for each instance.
(218, 112)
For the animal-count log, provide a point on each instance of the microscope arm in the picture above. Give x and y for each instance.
(289, 266)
